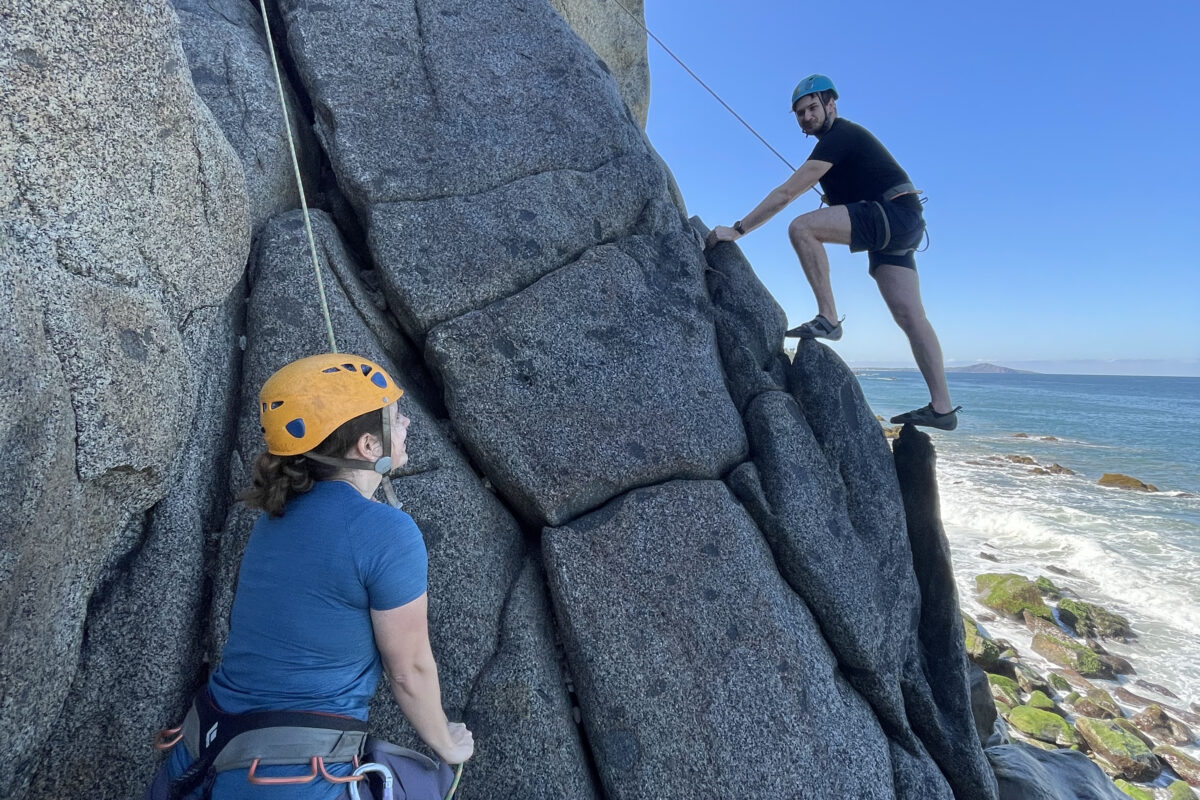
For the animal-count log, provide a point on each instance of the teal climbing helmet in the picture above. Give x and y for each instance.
(811, 85)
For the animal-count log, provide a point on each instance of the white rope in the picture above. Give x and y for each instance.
(287, 124)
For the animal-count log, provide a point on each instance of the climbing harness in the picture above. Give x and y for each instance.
(218, 742)
(708, 89)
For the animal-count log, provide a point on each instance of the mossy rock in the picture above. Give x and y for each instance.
(1011, 594)
(1066, 653)
(1097, 704)
(1092, 620)
(1059, 683)
(1119, 481)
(980, 649)
(1179, 790)
(1128, 755)
(1002, 709)
(1043, 726)
(1004, 690)
(1047, 587)
(1136, 792)
(1031, 680)
(1040, 700)
(1184, 765)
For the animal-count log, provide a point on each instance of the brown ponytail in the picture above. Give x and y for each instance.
(276, 479)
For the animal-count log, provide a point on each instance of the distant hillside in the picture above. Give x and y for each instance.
(991, 368)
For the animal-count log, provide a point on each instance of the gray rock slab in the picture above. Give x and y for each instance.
(798, 498)
(619, 40)
(527, 742)
(750, 323)
(441, 258)
(695, 663)
(125, 213)
(464, 95)
(226, 47)
(1029, 773)
(144, 634)
(599, 377)
(938, 687)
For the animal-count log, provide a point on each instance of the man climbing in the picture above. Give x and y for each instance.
(873, 206)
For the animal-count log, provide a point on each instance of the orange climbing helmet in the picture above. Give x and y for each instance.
(304, 402)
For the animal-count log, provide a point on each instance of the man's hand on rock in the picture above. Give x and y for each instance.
(721, 234)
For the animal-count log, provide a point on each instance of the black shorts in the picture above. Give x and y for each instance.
(890, 231)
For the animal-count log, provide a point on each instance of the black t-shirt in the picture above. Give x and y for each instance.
(862, 168)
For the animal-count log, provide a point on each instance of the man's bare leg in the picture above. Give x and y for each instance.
(901, 291)
(808, 233)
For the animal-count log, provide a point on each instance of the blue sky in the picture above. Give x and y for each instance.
(1058, 144)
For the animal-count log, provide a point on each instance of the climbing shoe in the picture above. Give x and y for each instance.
(927, 417)
(817, 328)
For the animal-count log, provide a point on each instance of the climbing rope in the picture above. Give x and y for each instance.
(708, 89)
(287, 125)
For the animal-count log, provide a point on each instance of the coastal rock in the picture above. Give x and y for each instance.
(1128, 697)
(1047, 587)
(1026, 773)
(1156, 687)
(1128, 726)
(702, 588)
(1064, 652)
(1097, 703)
(1011, 594)
(1041, 625)
(1059, 469)
(1179, 790)
(1031, 680)
(1020, 435)
(1094, 621)
(1136, 792)
(1043, 725)
(1125, 753)
(936, 704)
(981, 649)
(1004, 690)
(1074, 679)
(1119, 481)
(620, 42)
(1184, 765)
(983, 708)
(1021, 460)
(1040, 700)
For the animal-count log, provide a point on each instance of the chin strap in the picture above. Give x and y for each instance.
(382, 466)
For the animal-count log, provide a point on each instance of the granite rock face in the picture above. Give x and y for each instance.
(111, 163)
(698, 587)
(226, 47)
(660, 554)
(619, 40)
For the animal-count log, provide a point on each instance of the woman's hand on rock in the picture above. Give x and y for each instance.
(460, 745)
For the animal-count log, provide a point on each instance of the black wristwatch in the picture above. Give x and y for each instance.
(737, 226)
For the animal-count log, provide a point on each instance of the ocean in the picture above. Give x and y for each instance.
(1135, 553)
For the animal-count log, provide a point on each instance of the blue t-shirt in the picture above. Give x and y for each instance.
(300, 631)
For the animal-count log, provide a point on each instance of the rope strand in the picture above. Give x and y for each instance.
(287, 124)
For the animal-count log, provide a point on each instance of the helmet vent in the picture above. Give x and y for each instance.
(349, 368)
(276, 404)
(295, 428)
(366, 368)
(379, 380)
(331, 369)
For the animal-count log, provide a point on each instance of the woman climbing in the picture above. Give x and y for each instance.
(332, 589)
